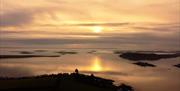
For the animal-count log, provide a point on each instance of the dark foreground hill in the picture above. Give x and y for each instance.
(61, 82)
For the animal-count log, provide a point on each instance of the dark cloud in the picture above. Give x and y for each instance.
(160, 27)
(141, 43)
(9, 32)
(98, 24)
(143, 38)
(15, 18)
(89, 24)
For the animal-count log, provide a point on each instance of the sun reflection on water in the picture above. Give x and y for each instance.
(96, 65)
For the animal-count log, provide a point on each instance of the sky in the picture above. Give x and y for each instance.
(122, 24)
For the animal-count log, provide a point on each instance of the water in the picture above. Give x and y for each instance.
(103, 63)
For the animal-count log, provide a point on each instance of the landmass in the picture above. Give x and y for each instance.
(93, 51)
(61, 82)
(25, 52)
(177, 65)
(25, 56)
(144, 64)
(135, 56)
(66, 52)
(40, 50)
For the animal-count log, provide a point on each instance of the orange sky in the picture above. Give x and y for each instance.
(132, 23)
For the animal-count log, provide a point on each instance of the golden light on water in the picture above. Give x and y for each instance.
(96, 65)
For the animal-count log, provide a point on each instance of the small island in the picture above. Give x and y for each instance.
(25, 52)
(66, 52)
(40, 50)
(61, 82)
(91, 52)
(177, 65)
(144, 64)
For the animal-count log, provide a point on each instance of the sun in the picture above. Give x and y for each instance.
(97, 29)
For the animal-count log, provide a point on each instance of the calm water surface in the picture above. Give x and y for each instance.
(164, 77)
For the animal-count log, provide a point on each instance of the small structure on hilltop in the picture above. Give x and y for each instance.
(76, 71)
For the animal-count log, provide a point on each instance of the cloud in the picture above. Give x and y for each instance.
(170, 27)
(85, 24)
(143, 38)
(16, 18)
(34, 19)
(98, 24)
(134, 43)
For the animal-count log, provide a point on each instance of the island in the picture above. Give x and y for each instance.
(25, 56)
(61, 82)
(66, 52)
(25, 52)
(177, 65)
(40, 50)
(144, 64)
(136, 56)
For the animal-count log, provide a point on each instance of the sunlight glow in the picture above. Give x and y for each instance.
(97, 29)
(96, 66)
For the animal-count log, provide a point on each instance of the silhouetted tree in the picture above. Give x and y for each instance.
(76, 71)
